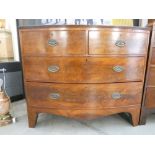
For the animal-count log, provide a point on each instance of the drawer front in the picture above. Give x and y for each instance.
(47, 42)
(153, 56)
(84, 69)
(151, 77)
(153, 39)
(110, 42)
(83, 96)
(150, 98)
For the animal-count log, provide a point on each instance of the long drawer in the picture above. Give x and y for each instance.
(83, 96)
(46, 42)
(84, 69)
(112, 42)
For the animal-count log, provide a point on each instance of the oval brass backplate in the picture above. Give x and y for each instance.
(116, 95)
(54, 96)
(53, 68)
(118, 68)
(52, 42)
(120, 43)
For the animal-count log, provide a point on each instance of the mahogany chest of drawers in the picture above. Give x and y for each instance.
(148, 105)
(84, 72)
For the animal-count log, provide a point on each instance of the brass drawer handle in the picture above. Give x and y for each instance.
(53, 68)
(120, 43)
(118, 68)
(54, 96)
(116, 95)
(52, 42)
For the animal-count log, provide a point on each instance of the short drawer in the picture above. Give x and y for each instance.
(150, 97)
(46, 42)
(83, 96)
(111, 42)
(151, 76)
(84, 69)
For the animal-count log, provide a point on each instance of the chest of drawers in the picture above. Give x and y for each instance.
(84, 72)
(148, 105)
